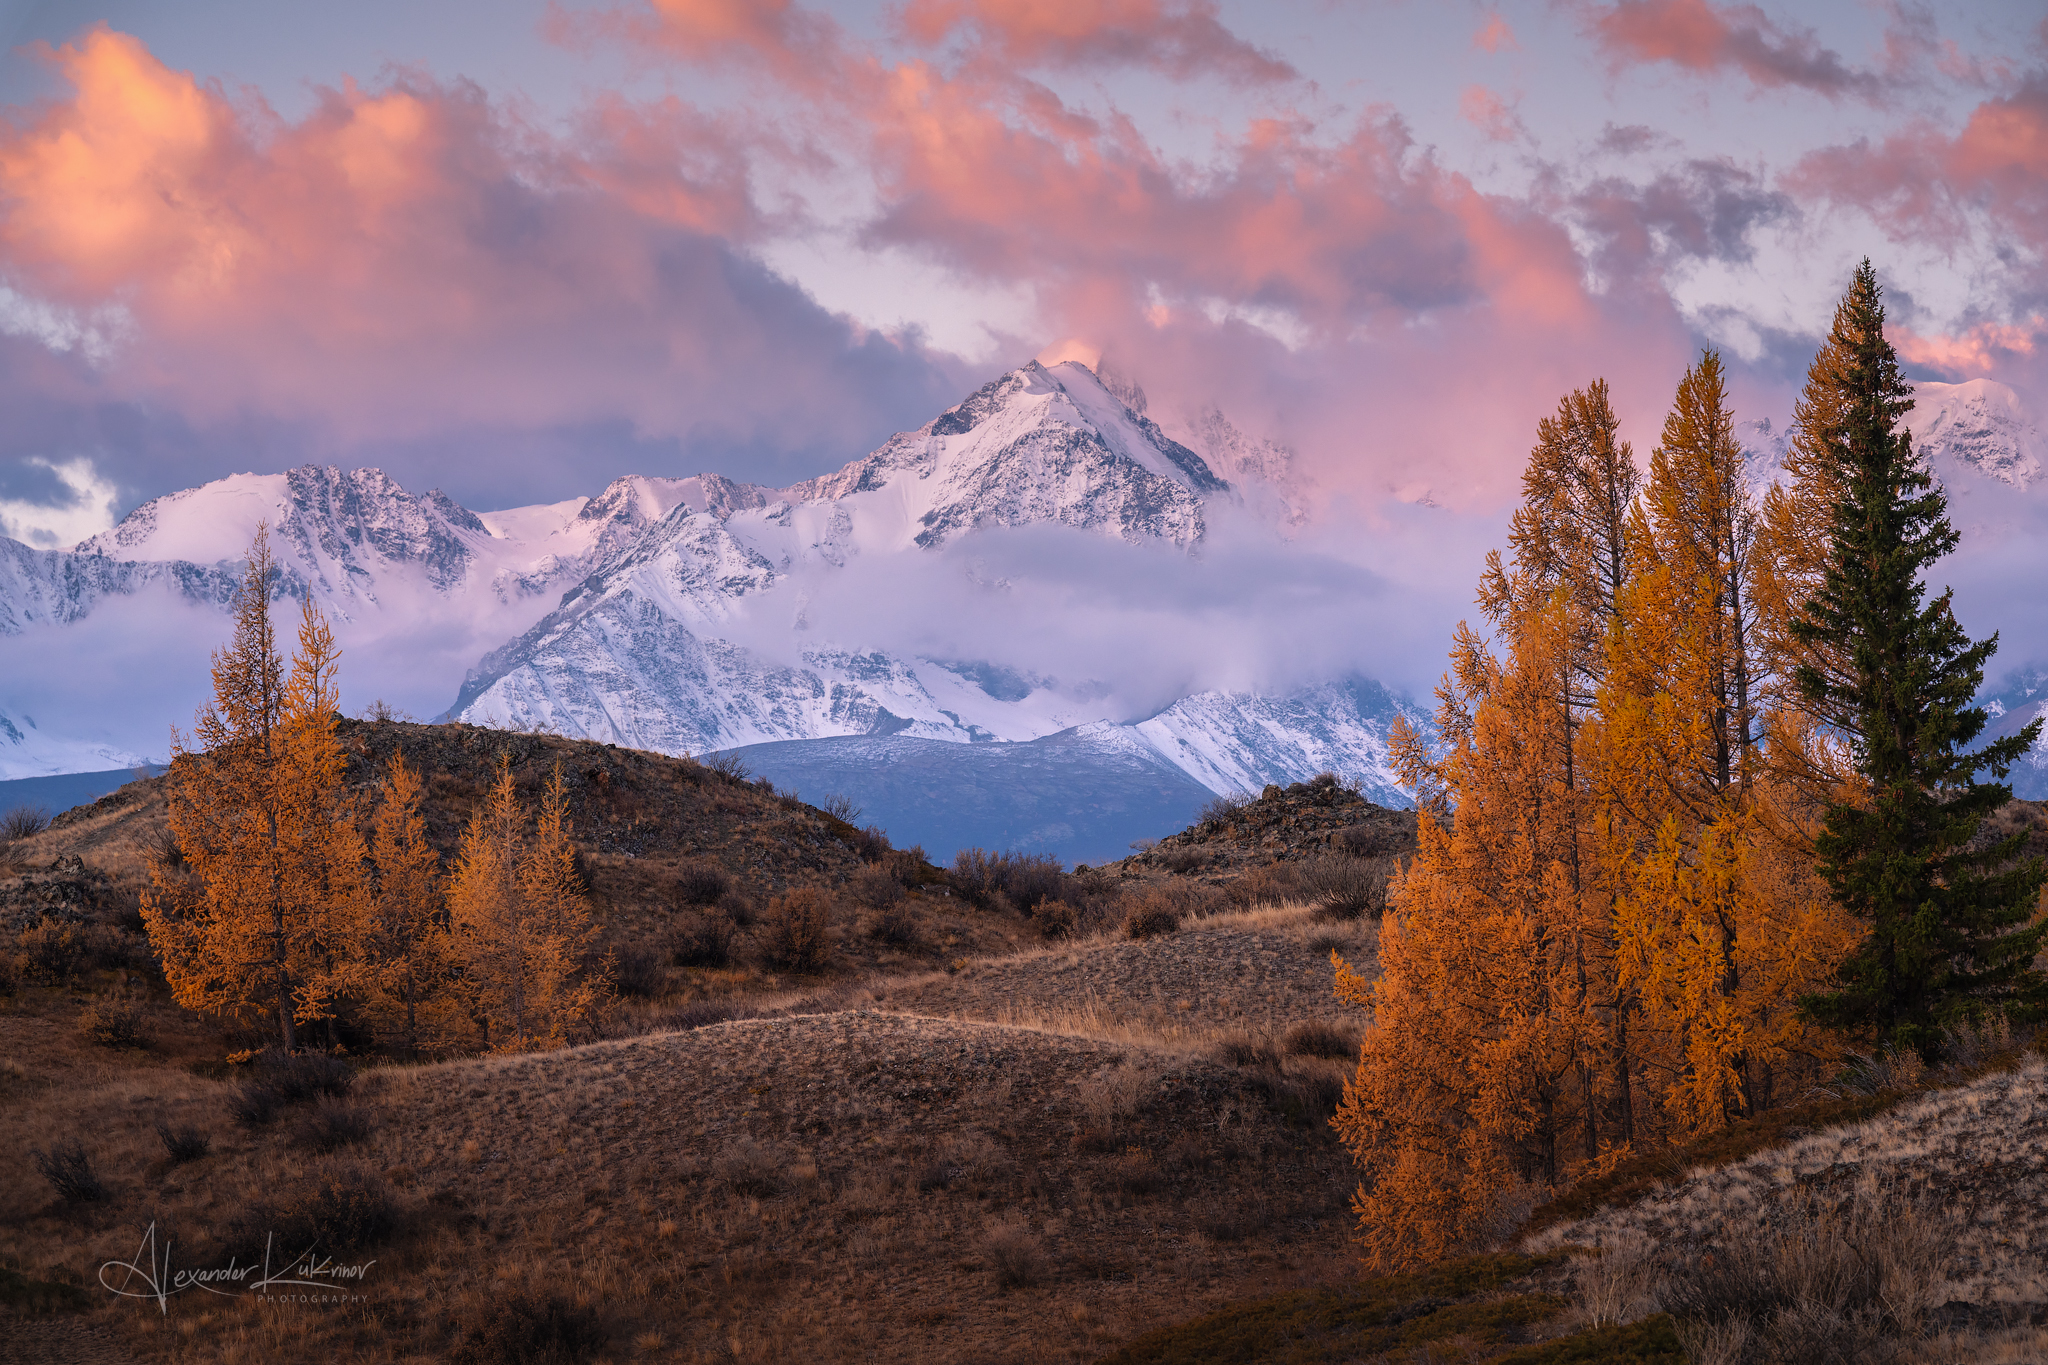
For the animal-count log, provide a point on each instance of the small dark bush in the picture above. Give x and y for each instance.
(183, 1144)
(1269, 885)
(1305, 1099)
(253, 1105)
(636, 973)
(111, 1023)
(764, 786)
(331, 1125)
(22, 821)
(794, 935)
(909, 865)
(69, 1169)
(1025, 879)
(52, 952)
(336, 1208)
(1318, 1038)
(840, 808)
(1016, 1257)
(703, 940)
(1246, 1052)
(1370, 841)
(747, 1167)
(874, 888)
(1150, 916)
(528, 1329)
(893, 924)
(1348, 888)
(165, 851)
(283, 1079)
(701, 884)
(870, 843)
(1184, 858)
(1224, 807)
(301, 1076)
(727, 766)
(1057, 919)
(1132, 1174)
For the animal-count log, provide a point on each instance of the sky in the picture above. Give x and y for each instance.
(515, 248)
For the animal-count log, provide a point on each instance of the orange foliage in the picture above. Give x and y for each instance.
(1613, 911)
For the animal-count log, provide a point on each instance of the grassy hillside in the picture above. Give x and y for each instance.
(1018, 1115)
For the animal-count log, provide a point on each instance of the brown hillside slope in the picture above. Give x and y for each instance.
(855, 1185)
(642, 824)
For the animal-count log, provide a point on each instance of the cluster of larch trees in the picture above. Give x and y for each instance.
(286, 899)
(1696, 812)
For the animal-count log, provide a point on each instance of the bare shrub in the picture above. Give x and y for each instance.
(69, 1169)
(1114, 1094)
(107, 1022)
(1618, 1284)
(331, 1125)
(23, 821)
(1024, 879)
(1151, 915)
(870, 843)
(701, 883)
(1321, 1038)
(53, 952)
(337, 1207)
(1242, 1051)
(1132, 1173)
(1824, 1283)
(793, 934)
(1971, 1043)
(1269, 885)
(1875, 1073)
(1015, 1255)
(1371, 840)
(727, 765)
(892, 924)
(1222, 808)
(702, 940)
(532, 1329)
(1347, 888)
(184, 1143)
(873, 888)
(636, 973)
(1183, 858)
(283, 1079)
(840, 807)
(748, 1167)
(1305, 1092)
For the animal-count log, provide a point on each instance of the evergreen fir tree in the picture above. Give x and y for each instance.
(1948, 926)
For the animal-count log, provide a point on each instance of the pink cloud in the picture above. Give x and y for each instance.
(1181, 40)
(1704, 38)
(1922, 183)
(1980, 350)
(1494, 35)
(411, 259)
(1486, 111)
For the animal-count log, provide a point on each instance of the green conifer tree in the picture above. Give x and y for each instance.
(1948, 926)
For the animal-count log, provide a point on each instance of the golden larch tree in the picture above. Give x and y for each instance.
(521, 922)
(262, 922)
(406, 951)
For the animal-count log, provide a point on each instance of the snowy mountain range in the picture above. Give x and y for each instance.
(690, 615)
(1031, 590)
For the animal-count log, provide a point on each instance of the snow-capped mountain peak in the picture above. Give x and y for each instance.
(1980, 425)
